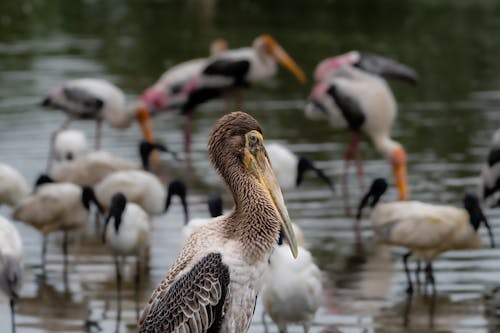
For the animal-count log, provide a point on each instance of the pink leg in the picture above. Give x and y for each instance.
(351, 150)
(187, 133)
(98, 134)
(227, 99)
(239, 99)
(53, 136)
(359, 165)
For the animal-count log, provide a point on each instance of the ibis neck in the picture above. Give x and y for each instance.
(254, 223)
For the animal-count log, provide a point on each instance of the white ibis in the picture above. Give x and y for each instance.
(69, 145)
(292, 291)
(352, 94)
(95, 99)
(56, 207)
(126, 232)
(490, 174)
(290, 168)
(213, 284)
(426, 230)
(11, 264)
(142, 188)
(13, 186)
(95, 166)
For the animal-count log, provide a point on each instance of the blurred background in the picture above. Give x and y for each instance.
(445, 123)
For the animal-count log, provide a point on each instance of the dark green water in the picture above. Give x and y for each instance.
(445, 123)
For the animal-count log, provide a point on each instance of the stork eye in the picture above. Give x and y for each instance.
(253, 139)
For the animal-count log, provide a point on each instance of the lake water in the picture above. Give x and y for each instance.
(445, 124)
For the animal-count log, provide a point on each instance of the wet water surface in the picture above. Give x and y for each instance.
(445, 123)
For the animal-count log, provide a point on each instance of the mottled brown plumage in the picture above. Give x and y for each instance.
(213, 284)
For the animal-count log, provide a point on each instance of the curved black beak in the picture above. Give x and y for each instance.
(490, 232)
(387, 68)
(307, 164)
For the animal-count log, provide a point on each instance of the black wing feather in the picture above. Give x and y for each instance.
(194, 303)
(350, 108)
(494, 156)
(88, 104)
(237, 69)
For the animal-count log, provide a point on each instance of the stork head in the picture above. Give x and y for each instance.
(265, 44)
(377, 189)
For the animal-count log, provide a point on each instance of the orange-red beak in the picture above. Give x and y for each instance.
(283, 58)
(399, 173)
(144, 118)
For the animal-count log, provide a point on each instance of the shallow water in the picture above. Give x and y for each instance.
(445, 123)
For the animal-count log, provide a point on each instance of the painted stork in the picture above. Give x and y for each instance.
(426, 230)
(126, 232)
(213, 284)
(95, 99)
(292, 291)
(11, 264)
(290, 168)
(490, 174)
(352, 94)
(13, 186)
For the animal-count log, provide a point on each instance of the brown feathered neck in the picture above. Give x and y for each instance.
(255, 222)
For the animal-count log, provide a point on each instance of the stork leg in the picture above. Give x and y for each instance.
(239, 99)
(13, 314)
(187, 132)
(417, 274)
(409, 289)
(53, 136)
(351, 150)
(429, 276)
(98, 128)
(359, 166)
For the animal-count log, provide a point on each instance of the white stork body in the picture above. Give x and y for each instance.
(292, 291)
(284, 164)
(490, 174)
(13, 186)
(139, 186)
(69, 145)
(11, 263)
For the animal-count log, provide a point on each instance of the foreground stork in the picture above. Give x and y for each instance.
(11, 264)
(352, 94)
(213, 284)
(98, 100)
(490, 174)
(426, 230)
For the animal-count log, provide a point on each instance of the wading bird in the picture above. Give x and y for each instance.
(290, 168)
(213, 284)
(98, 100)
(13, 186)
(292, 290)
(11, 264)
(426, 230)
(126, 232)
(215, 205)
(490, 174)
(56, 207)
(352, 94)
(69, 145)
(233, 70)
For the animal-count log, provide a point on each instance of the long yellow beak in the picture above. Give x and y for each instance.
(258, 164)
(286, 61)
(399, 173)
